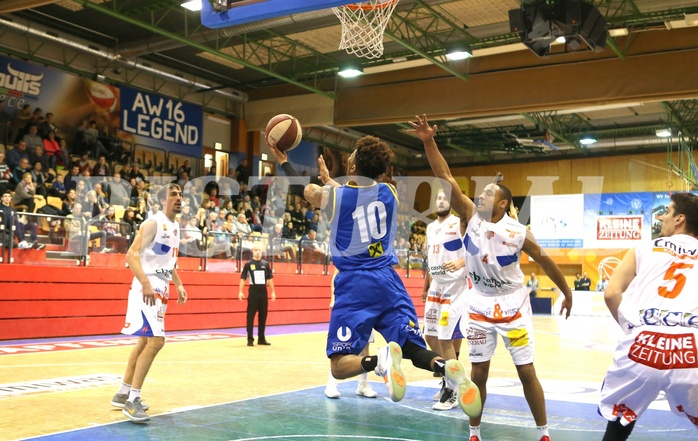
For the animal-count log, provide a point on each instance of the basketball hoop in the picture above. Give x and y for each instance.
(363, 25)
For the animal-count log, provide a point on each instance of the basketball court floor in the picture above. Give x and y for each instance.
(209, 385)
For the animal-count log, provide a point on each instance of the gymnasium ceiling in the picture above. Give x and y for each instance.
(495, 106)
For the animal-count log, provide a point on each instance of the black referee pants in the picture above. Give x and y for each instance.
(257, 303)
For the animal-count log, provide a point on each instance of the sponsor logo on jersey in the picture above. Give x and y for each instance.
(518, 338)
(487, 282)
(164, 272)
(476, 337)
(343, 333)
(664, 351)
(664, 317)
(375, 249)
(666, 246)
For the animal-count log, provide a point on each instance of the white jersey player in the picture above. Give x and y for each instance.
(152, 258)
(445, 290)
(496, 304)
(652, 296)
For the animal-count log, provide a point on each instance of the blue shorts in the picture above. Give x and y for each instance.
(371, 299)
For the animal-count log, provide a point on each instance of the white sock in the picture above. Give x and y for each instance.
(331, 379)
(475, 431)
(363, 377)
(542, 431)
(133, 394)
(125, 388)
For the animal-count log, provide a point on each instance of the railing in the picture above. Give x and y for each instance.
(312, 251)
(284, 247)
(416, 260)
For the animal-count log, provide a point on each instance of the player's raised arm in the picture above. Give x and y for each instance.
(534, 251)
(459, 202)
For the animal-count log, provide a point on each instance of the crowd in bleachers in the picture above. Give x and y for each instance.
(103, 196)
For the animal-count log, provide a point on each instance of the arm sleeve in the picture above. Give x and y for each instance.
(245, 269)
(289, 170)
(270, 275)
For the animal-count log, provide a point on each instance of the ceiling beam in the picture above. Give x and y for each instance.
(201, 47)
(653, 72)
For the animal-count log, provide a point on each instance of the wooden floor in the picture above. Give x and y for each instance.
(211, 386)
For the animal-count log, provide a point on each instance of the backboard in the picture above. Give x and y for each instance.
(247, 11)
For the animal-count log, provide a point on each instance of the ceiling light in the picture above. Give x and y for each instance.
(192, 5)
(458, 51)
(560, 39)
(350, 71)
(588, 140)
(620, 32)
(663, 133)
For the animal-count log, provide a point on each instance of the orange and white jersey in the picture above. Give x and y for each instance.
(160, 256)
(492, 253)
(444, 244)
(663, 292)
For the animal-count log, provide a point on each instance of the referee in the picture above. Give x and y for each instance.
(259, 274)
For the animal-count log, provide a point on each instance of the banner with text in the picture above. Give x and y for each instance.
(167, 123)
(617, 220)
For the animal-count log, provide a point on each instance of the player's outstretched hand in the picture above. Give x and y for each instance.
(422, 128)
(566, 308)
(281, 157)
(324, 171)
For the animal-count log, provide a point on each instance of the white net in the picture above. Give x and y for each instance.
(363, 25)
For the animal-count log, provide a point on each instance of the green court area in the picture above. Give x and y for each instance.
(308, 415)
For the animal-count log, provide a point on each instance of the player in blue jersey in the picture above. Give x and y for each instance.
(369, 294)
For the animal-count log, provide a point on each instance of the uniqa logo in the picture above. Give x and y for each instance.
(343, 333)
(21, 81)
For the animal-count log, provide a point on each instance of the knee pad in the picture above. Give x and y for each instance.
(420, 357)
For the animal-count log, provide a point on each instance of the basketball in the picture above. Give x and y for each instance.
(284, 131)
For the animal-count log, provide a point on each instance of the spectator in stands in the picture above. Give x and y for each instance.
(141, 211)
(322, 226)
(288, 232)
(312, 250)
(578, 282)
(185, 168)
(6, 181)
(154, 208)
(212, 195)
(126, 172)
(77, 238)
(256, 223)
(210, 206)
(17, 154)
(24, 193)
(117, 191)
(282, 248)
(90, 137)
(71, 179)
(532, 285)
(40, 178)
(183, 179)
(136, 172)
(211, 171)
(113, 229)
(130, 219)
(602, 284)
(268, 220)
(313, 221)
(243, 228)
(84, 163)
(81, 192)
(58, 187)
(102, 197)
(20, 228)
(137, 192)
(32, 139)
(191, 238)
(55, 151)
(68, 202)
(20, 170)
(115, 146)
(586, 283)
(37, 154)
(19, 121)
(96, 205)
(220, 243)
(46, 127)
(101, 168)
(242, 174)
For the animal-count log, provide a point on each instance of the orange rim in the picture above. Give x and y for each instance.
(357, 6)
